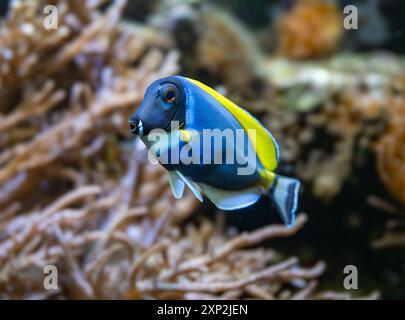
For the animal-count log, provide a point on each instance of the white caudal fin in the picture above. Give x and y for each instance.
(284, 193)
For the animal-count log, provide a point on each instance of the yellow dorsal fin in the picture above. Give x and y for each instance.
(263, 143)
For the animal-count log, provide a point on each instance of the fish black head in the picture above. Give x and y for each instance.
(164, 102)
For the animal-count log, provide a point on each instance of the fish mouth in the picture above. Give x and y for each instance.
(136, 127)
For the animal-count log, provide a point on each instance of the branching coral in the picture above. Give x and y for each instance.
(394, 233)
(312, 29)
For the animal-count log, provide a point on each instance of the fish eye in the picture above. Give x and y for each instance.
(170, 95)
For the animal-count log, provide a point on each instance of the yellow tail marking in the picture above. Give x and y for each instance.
(267, 178)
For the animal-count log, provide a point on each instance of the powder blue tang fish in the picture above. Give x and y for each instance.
(196, 108)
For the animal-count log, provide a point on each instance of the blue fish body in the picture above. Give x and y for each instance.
(204, 112)
(198, 108)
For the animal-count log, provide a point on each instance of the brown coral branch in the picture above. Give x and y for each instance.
(81, 289)
(138, 264)
(306, 291)
(216, 287)
(243, 240)
(301, 273)
(33, 106)
(71, 197)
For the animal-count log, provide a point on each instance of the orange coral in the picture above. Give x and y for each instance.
(312, 29)
(391, 151)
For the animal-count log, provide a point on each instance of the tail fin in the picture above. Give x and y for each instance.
(284, 193)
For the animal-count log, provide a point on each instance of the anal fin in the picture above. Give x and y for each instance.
(232, 200)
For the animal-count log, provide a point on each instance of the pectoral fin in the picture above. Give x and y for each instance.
(232, 200)
(177, 184)
(192, 185)
(186, 136)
